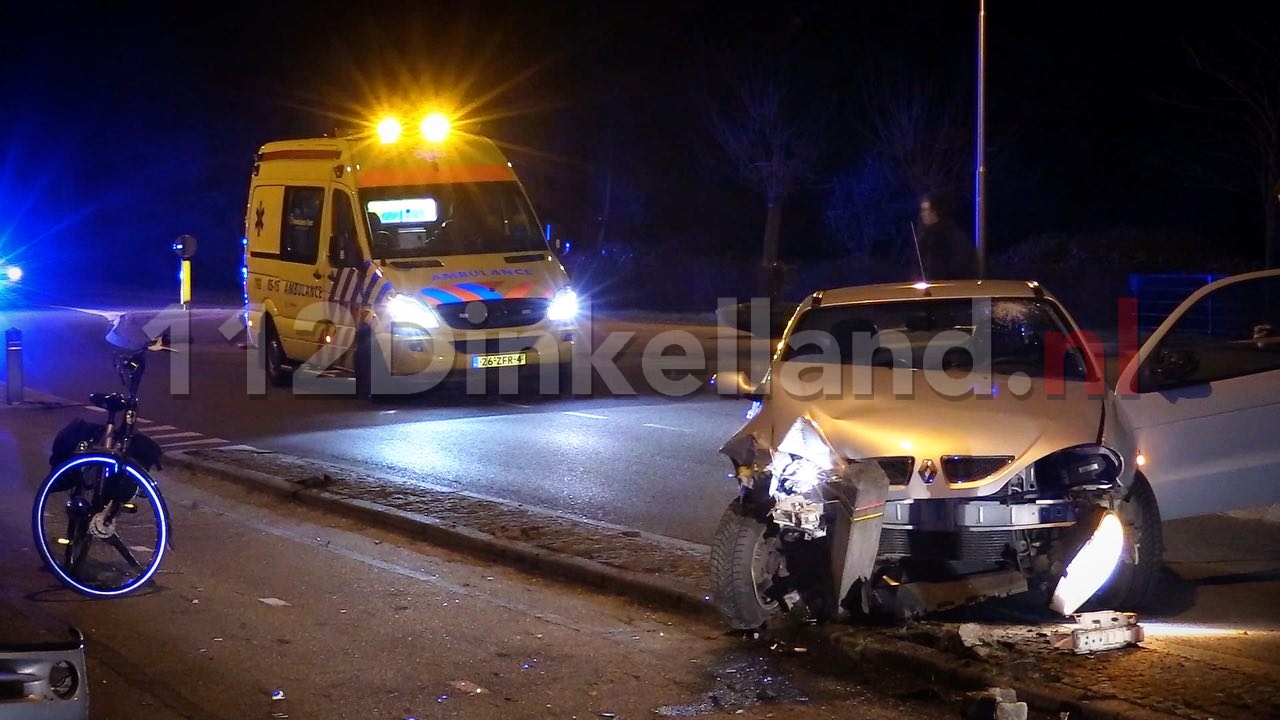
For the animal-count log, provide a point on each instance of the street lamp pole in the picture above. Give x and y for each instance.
(980, 150)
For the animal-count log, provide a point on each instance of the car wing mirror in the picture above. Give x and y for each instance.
(1167, 368)
(736, 384)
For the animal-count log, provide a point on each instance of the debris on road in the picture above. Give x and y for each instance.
(997, 704)
(469, 688)
(277, 695)
(1097, 631)
(274, 602)
(973, 639)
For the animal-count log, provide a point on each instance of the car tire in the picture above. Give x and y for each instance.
(272, 358)
(1135, 585)
(736, 567)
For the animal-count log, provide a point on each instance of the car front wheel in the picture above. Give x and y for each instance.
(1135, 584)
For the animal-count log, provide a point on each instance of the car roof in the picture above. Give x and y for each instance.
(933, 290)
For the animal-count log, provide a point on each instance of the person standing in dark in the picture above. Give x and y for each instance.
(945, 250)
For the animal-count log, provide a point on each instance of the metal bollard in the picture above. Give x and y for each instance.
(13, 365)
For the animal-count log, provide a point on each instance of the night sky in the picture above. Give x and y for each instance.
(124, 127)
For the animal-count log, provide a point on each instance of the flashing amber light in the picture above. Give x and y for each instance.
(389, 130)
(434, 127)
(1142, 460)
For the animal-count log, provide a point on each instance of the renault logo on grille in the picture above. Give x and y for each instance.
(928, 471)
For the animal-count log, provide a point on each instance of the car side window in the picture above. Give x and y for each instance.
(300, 229)
(1231, 332)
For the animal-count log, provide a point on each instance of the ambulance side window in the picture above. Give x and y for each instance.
(300, 231)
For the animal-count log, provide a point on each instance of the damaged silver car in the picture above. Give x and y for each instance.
(918, 447)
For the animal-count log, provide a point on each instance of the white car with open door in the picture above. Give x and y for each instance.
(1198, 410)
(917, 446)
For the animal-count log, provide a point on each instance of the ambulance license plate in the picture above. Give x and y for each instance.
(494, 361)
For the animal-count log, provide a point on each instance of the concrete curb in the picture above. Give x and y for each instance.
(852, 645)
(638, 586)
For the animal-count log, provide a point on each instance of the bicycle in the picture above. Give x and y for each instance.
(100, 522)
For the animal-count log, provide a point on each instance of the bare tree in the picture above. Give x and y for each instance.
(920, 131)
(772, 149)
(1240, 134)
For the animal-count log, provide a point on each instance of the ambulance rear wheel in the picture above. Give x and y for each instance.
(272, 358)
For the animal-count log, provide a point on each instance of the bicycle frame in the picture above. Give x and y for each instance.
(102, 468)
(119, 430)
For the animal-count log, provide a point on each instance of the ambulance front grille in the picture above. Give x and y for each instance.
(515, 312)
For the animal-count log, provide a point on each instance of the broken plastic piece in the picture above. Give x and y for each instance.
(468, 687)
(274, 602)
(277, 695)
(1098, 631)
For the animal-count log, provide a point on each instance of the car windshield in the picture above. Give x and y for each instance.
(450, 219)
(939, 334)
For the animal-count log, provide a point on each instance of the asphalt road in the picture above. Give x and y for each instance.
(645, 461)
(642, 460)
(343, 621)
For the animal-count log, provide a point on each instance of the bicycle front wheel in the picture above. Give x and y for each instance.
(100, 525)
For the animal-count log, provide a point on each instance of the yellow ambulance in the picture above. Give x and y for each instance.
(401, 258)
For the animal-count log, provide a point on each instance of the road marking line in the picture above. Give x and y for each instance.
(145, 421)
(94, 408)
(108, 314)
(170, 436)
(243, 447)
(206, 441)
(665, 427)
(585, 415)
(514, 404)
(160, 428)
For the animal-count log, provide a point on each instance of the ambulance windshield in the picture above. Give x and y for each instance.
(450, 219)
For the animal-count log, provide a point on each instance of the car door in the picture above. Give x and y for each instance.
(1201, 401)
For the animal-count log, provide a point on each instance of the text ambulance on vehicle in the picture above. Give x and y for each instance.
(401, 258)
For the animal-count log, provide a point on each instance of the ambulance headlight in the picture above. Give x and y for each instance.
(410, 311)
(564, 305)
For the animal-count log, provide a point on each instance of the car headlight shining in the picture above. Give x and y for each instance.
(408, 310)
(796, 475)
(564, 305)
(14, 273)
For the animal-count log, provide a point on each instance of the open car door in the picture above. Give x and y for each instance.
(1201, 401)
